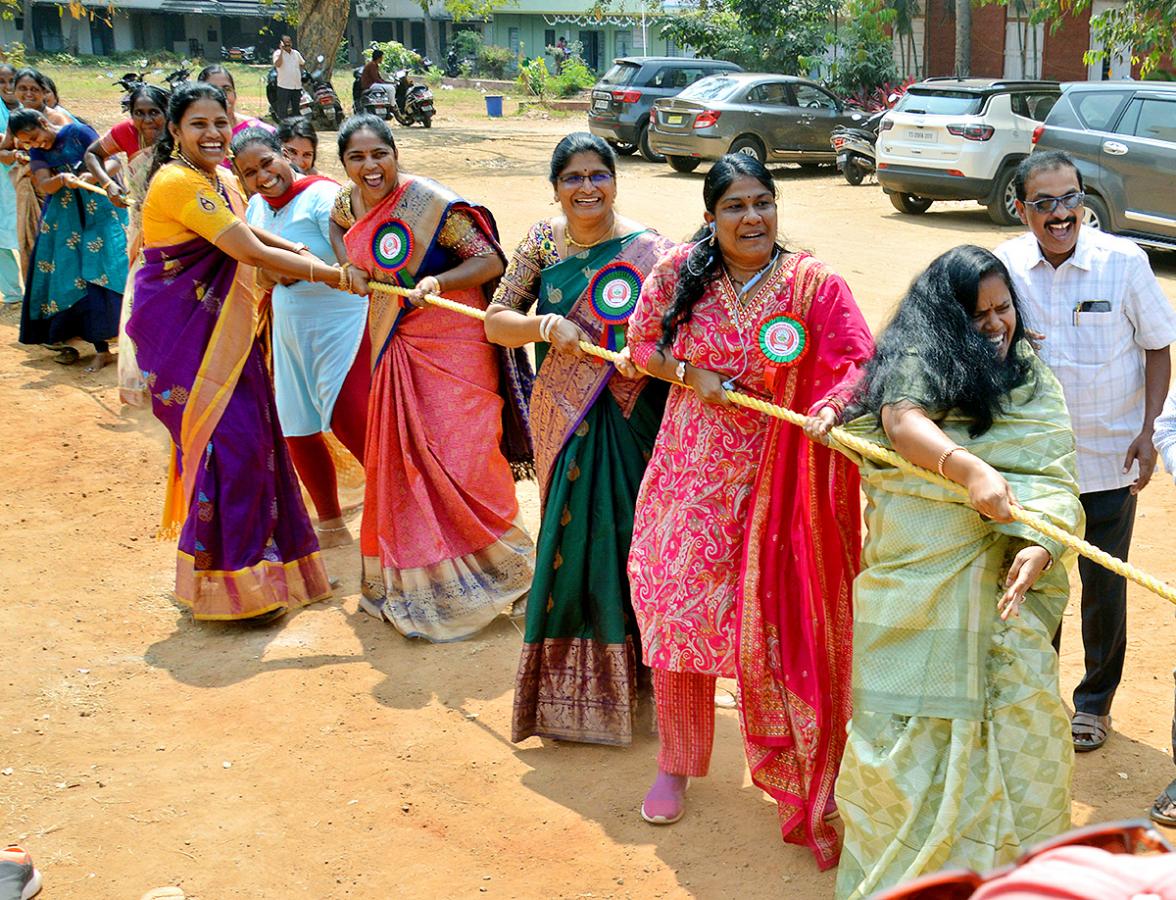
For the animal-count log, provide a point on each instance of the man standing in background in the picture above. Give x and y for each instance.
(1105, 328)
(288, 63)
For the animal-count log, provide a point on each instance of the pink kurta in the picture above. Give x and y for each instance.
(690, 519)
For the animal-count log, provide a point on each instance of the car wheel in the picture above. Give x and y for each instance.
(683, 163)
(1096, 215)
(646, 150)
(623, 149)
(910, 204)
(1003, 210)
(749, 146)
(853, 172)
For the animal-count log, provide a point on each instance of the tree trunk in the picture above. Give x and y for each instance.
(963, 38)
(321, 24)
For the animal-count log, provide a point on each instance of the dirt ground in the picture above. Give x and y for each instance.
(327, 757)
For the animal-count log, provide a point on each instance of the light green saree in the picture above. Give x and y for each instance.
(959, 750)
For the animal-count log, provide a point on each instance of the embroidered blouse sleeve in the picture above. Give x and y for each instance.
(463, 237)
(657, 293)
(519, 287)
(341, 213)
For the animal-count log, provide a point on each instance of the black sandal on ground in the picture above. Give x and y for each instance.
(66, 356)
(1088, 731)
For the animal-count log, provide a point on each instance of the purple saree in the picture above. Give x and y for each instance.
(246, 545)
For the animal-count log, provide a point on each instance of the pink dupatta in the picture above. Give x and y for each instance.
(803, 547)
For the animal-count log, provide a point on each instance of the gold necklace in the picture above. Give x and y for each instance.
(213, 178)
(607, 237)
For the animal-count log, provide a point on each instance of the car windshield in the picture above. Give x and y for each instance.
(939, 103)
(714, 87)
(621, 73)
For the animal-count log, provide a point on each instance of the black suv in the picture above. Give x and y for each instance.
(1122, 136)
(621, 100)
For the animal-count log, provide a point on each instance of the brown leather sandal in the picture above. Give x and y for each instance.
(1088, 731)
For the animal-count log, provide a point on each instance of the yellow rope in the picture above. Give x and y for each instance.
(873, 451)
(74, 182)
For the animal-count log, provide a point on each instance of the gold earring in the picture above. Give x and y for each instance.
(175, 154)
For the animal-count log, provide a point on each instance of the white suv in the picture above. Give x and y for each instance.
(961, 139)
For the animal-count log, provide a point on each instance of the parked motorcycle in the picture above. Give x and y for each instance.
(453, 62)
(855, 146)
(414, 102)
(305, 103)
(128, 83)
(178, 77)
(376, 100)
(326, 110)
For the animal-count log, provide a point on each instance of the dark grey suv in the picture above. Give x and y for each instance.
(1122, 135)
(622, 98)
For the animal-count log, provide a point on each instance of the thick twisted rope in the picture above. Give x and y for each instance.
(870, 449)
(75, 182)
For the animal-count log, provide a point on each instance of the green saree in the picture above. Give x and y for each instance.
(959, 752)
(593, 433)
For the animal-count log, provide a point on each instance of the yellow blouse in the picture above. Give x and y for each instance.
(181, 205)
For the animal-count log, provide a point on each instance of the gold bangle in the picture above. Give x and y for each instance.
(312, 272)
(946, 455)
(343, 281)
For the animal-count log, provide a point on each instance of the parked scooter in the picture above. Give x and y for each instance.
(305, 104)
(239, 54)
(855, 147)
(414, 102)
(326, 110)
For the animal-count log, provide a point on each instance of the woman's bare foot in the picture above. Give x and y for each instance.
(332, 533)
(100, 362)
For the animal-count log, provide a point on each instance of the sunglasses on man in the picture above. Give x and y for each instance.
(1049, 204)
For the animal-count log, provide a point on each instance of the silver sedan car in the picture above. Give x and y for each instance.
(775, 118)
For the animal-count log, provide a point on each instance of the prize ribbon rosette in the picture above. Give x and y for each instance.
(392, 246)
(783, 342)
(613, 293)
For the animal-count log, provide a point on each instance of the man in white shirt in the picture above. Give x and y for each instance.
(1106, 326)
(288, 62)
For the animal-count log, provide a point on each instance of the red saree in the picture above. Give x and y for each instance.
(802, 553)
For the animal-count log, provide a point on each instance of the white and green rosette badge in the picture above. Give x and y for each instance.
(392, 245)
(613, 294)
(783, 340)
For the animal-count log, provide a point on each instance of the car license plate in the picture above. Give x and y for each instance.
(600, 103)
(674, 119)
(923, 137)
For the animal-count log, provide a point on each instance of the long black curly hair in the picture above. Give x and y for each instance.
(956, 364)
(705, 260)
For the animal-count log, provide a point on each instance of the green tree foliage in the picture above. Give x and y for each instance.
(761, 35)
(844, 42)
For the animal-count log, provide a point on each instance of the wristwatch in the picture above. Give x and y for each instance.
(680, 371)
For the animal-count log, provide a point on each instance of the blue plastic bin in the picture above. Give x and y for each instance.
(494, 106)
